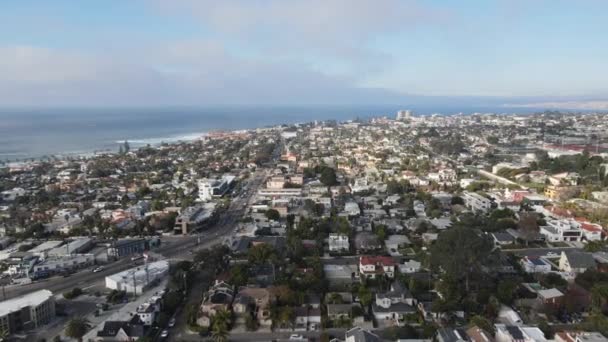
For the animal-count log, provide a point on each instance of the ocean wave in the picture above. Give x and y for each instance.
(157, 141)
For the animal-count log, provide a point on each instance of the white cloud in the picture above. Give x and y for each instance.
(185, 73)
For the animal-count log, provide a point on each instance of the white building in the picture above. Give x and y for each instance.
(136, 280)
(149, 310)
(562, 230)
(338, 243)
(476, 202)
(210, 188)
(30, 311)
(535, 265)
(60, 263)
(404, 115)
(411, 266)
(352, 208)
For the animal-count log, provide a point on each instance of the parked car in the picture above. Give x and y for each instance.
(172, 322)
(164, 334)
(97, 269)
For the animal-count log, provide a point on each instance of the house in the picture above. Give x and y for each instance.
(366, 241)
(219, 297)
(394, 305)
(509, 316)
(535, 265)
(373, 266)
(451, 335)
(352, 208)
(576, 262)
(338, 311)
(307, 318)
(502, 239)
(511, 333)
(338, 243)
(395, 243)
(359, 335)
(128, 331)
(552, 297)
(149, 310)
(254, 300)
(411, 266)
(477, 334)
(579, 336)
(562, 230)
(339, 275)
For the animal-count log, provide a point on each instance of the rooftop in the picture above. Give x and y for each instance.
(30, 299)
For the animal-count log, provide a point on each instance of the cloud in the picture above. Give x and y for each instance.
(184, 73)
(311, 30)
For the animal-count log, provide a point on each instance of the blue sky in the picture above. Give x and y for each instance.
(207, 52)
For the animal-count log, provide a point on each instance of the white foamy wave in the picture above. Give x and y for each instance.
(157, 141)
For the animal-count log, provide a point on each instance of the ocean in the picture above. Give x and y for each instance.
(36, 133)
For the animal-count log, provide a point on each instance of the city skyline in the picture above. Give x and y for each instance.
(506, 53)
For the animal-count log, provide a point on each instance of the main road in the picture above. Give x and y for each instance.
(174, 247)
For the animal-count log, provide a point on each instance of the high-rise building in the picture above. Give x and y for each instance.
(404, 114)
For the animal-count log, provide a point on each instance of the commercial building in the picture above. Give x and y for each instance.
(57, 264)
(194, 218)
(76, 246)
(27, 312)
(279, 193)
(210, 188)
(138, 279)
(126, 247)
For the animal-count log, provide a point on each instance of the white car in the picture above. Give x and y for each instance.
(97, 269)
(164, 334)
(552, 255)
(296, 337)
(171, 322)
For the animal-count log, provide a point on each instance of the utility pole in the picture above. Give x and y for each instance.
(134, 285)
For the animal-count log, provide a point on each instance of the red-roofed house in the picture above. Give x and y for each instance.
(372, 266)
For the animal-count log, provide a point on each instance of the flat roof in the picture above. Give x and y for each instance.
(30, 299)
(45, 246)
(139, 273)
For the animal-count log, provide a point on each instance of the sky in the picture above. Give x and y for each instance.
(208, 52)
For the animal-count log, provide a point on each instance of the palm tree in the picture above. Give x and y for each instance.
(77, 327)
(219, 333)
(4, 334)
(220, 325)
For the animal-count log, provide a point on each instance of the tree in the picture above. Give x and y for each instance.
(273, 214)
(461, 252)
(365, 296)
(77, 327)
(328, 176)
(4, 334)
(238, 275)
(483, 323)
(261, 253)
(506, 290)
(251, 323)
(219, 334)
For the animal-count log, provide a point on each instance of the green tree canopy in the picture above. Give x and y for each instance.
(461, 252)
